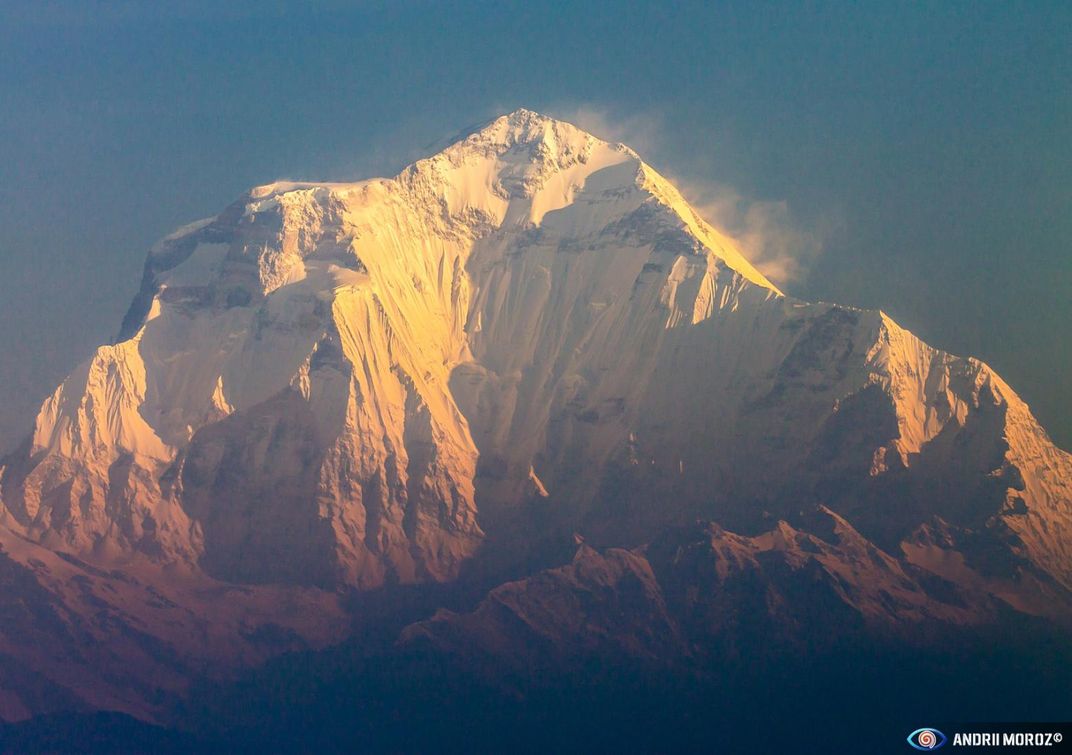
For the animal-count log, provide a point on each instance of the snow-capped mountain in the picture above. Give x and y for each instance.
(333, 386)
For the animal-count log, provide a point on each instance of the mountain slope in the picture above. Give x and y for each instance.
(329, 319)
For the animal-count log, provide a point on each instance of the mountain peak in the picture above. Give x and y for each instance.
(525, 117)
(527, 136)
(523, 126)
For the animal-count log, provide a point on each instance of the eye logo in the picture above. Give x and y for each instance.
(926, 739)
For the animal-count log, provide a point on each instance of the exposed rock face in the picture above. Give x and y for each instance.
(607, 604)
(74, 636)
(696, 592)
(345, 385)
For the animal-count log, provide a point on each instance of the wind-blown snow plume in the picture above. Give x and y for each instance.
(780, 245)
(772, 239)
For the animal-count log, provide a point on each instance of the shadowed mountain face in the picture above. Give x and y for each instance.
(336, 408)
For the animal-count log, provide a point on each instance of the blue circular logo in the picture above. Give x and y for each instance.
(926, 739)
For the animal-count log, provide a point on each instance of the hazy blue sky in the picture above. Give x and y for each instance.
(914, 156)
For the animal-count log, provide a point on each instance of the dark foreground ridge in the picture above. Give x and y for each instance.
(857, 696)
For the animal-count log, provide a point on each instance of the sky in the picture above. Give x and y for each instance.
(914, 157)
